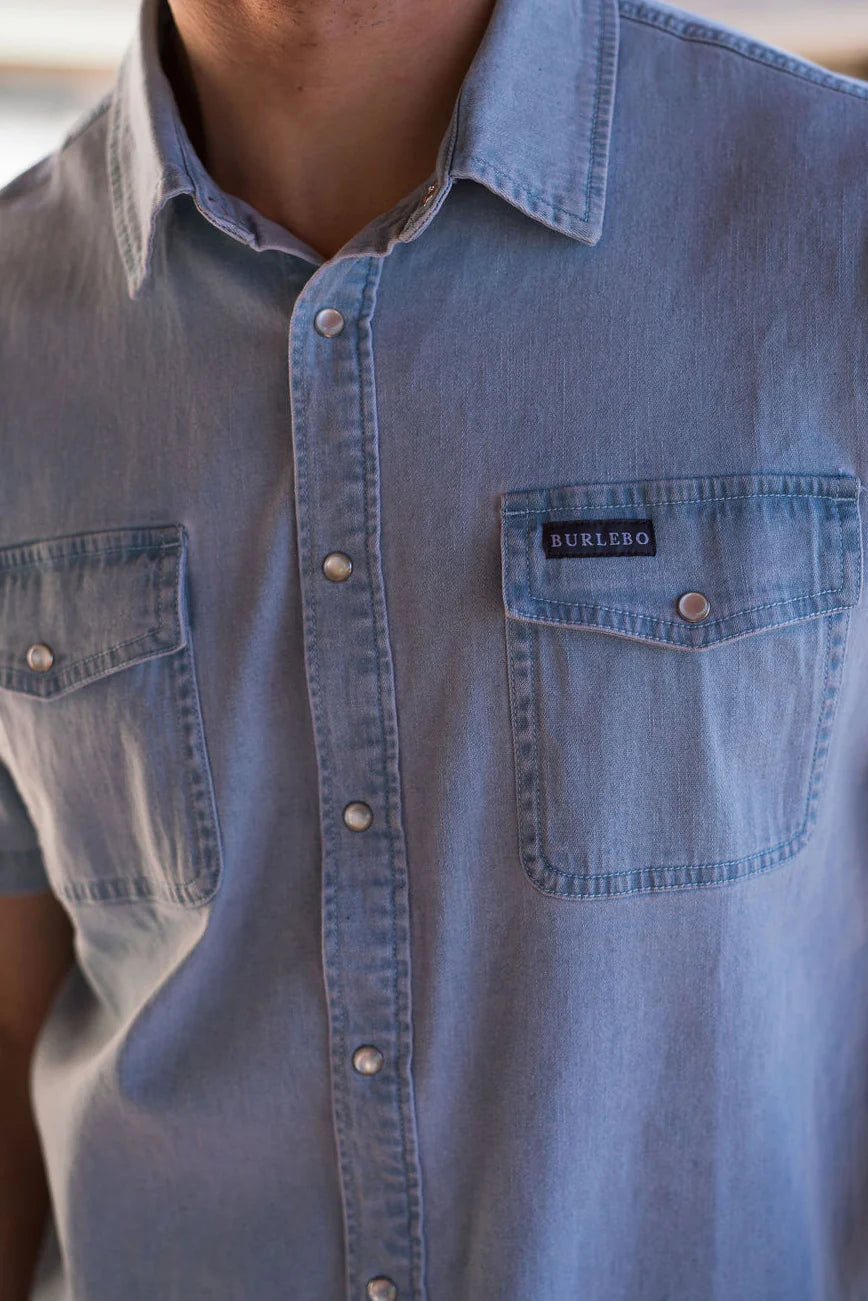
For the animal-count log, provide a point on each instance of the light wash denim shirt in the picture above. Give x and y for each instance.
(433, 679)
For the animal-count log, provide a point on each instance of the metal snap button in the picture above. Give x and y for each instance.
(337, 566)
(419, 210)
(358, 816)
(367, 1060)
(40, 657)
(693, 606)
(381, 1289)
(328, 322)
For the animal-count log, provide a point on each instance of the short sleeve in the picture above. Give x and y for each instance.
(22, 870)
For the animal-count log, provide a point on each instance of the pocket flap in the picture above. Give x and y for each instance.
(764, 550)
(98, 601)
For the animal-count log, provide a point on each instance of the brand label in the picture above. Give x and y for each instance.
(563, 539)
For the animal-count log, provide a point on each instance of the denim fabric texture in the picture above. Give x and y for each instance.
(608, 926)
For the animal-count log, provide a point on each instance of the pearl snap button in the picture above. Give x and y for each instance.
(358, 816)
(40, 657)
(337, 566)
(328, 322)
(381, 1289)
(367, 1060)
(693, 606)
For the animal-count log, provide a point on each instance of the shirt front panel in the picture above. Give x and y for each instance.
(711, 994)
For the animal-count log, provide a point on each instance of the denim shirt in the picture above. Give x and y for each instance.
(433, 680)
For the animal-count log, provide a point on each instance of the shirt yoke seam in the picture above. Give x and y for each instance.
(755, 51)
(38, 173)
(87, 119)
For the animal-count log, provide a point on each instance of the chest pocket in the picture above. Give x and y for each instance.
(659, 744)
(100, 718)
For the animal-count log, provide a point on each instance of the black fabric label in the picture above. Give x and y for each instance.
(563, 539)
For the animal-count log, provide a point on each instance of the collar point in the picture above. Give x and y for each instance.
(589, 232)
(135, 270)
(585, 229)
(135, 285)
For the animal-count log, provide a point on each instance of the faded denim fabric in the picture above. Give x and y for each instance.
(608, 926)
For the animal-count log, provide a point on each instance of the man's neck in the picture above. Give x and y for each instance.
(321, 114)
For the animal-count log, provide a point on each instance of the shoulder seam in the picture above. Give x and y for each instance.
(88, 117)
(39, 171)
(688, 29)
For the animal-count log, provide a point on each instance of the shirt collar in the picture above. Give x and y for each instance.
(531, 123)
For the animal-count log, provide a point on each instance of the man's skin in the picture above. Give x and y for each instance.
(35, 953)
(321, 114)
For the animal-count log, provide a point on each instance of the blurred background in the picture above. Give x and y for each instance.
(58, 57)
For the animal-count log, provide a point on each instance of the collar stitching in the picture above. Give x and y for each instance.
(504, 178)
(119, 191)
(604, 48)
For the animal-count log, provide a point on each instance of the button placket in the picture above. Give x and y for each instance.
(352, 699)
